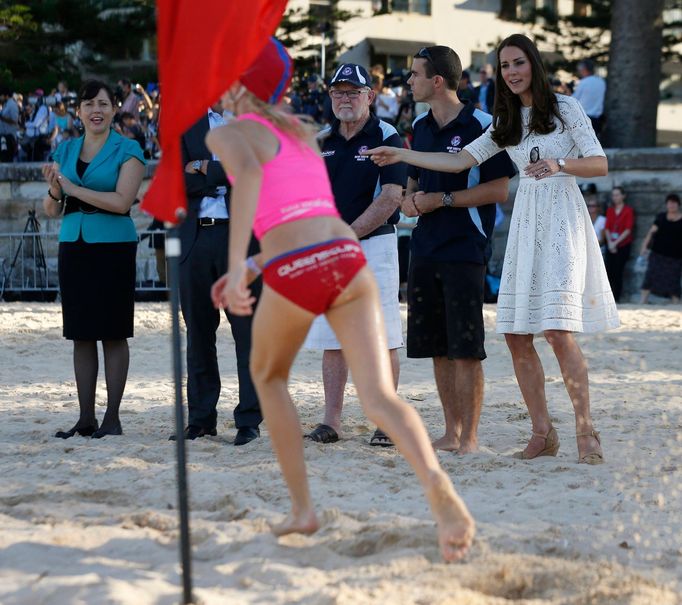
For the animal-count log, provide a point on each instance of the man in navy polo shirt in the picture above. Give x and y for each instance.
(367, 198)
(450, 245)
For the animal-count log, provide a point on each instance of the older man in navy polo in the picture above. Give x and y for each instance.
(367, 197)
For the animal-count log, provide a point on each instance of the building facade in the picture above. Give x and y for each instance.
(389, 32)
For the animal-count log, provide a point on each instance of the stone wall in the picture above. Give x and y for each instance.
(646, 174)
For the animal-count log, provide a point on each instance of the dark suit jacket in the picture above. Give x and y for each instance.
(489, 95)
(198, 185)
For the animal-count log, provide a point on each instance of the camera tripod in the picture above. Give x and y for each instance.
(32, 230)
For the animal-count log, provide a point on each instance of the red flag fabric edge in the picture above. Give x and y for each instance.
(204, 45)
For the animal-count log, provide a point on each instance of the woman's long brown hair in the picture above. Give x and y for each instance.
(507, 109)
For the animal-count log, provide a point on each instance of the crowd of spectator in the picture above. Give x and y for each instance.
(33, 124)
(394, 104)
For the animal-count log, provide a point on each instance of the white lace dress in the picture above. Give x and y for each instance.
(553, 276)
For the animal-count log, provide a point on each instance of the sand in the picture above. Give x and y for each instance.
(88, 522)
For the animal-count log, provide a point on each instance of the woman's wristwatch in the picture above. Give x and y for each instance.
(562, 164)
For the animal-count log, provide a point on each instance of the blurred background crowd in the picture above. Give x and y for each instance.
(37, 121)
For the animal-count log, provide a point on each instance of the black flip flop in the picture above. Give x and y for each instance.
(380, 439)
(323, 433)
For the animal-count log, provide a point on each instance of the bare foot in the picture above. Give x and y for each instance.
(446, 443)
(468, 448)
(456, 527)
(300, 523)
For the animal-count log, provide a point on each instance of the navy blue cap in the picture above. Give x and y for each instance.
(353, 74)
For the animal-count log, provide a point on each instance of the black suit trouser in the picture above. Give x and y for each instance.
(206, 262)
(615, 267)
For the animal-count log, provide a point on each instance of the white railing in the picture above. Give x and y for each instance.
(28, 265)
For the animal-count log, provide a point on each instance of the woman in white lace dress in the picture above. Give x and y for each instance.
(553, 280)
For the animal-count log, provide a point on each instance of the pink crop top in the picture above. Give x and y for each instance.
(295, 183)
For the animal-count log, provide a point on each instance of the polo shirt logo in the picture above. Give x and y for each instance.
(455, 144)
(359, 157)
(326, 154)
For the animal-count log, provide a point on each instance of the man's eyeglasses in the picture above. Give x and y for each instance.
(351, 94)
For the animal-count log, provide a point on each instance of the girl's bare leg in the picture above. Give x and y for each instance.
(279, 329)
(357, 322)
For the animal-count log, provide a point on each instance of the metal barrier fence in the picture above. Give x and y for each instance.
(28, 265)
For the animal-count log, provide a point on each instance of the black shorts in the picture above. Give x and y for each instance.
(445, 310)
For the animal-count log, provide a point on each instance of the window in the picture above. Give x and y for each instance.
(552, 5)
(581, 8)
(422, 7)
(508, 10)
(526, 8)
(511, 10)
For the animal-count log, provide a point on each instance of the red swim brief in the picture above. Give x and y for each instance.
(312, 277)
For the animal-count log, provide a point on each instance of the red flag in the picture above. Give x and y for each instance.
(204, 46)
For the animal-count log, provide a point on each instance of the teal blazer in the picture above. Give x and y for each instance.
(100, 175)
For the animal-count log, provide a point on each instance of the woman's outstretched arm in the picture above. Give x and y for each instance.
(440, 162)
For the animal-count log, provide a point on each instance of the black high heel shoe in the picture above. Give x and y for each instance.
(116, 430)
(84, 431)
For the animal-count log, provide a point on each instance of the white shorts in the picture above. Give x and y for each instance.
(381, 252)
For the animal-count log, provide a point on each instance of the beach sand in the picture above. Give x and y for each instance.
(95, 521)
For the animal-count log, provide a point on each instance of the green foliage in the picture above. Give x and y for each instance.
(577, 36)
(15, 20)
(298, 26)
(573, 36)
(42, 41)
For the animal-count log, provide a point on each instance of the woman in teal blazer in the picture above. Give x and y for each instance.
(94, 180)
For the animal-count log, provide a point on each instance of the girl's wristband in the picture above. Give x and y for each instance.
(252, 265)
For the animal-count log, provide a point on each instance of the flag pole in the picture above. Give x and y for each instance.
(173, 249)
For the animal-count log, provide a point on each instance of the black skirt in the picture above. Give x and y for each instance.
(663, 275)
(97, 285)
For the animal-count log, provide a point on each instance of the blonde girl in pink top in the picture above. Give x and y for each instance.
(312, 264)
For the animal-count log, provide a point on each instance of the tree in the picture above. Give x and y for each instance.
(632, 93)
(571, 37)
(299, 27)
(629, 36)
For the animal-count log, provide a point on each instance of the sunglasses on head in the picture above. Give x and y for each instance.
(425, 54)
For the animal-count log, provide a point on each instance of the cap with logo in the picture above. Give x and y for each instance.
(269, 75)
(353, 74)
